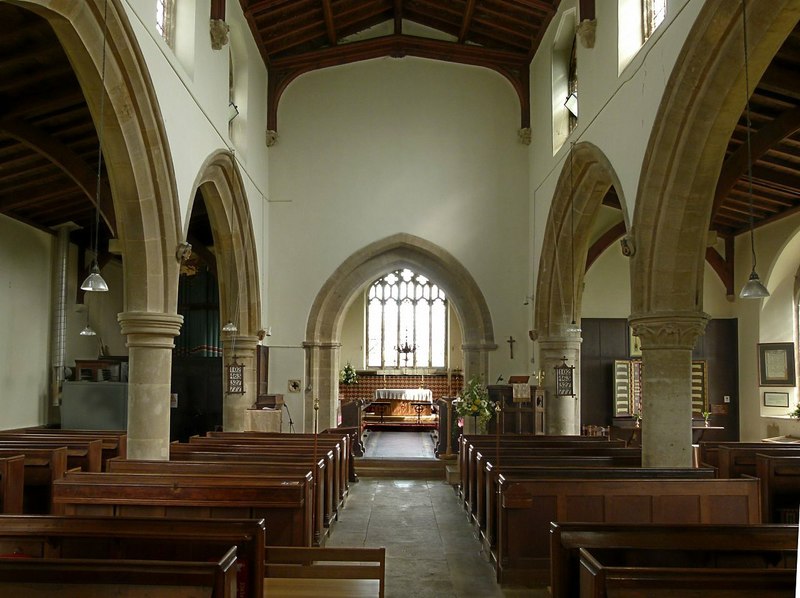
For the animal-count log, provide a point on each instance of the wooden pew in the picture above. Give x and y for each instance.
(42, 467)
(779, 474)
(740, 460)
(476, 498)
(301, 572)
(465, 442)
(285, 504)
(543, 450)
(699, 540)
(526, 508)
(339, 441)
(115, 442)
(84, 578)
(323, 487)
(576, 471)
(140, 539)
(709, 449)
(599, 579)
(83, 454)
(227, 468)
(12, 481)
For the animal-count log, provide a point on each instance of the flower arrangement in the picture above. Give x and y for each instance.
(795, 413)
(475, 402)
(348, 375)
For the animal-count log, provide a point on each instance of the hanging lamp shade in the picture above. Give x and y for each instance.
(94, 282)
(88, 331)
(573, 328)
(230, 327)
(753, 288)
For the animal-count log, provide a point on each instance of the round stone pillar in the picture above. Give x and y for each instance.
(150, 340)
(562, 415)
(667, 342)
(476, 361)
(242, 350)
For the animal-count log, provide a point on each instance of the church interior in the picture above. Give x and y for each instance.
(499, 267)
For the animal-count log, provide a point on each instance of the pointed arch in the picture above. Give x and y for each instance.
(590, 175)
(701, 105)
(325, 321)
(135, 145)
(220, 183)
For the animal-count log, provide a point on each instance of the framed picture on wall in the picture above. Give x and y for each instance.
(776, 364)
(776, 399)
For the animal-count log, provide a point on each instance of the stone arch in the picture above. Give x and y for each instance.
(586, 177)
(702, 103)
(592, 176)
(142, 181)
(326, 318)
(221, 185)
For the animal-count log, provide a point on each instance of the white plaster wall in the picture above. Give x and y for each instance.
(386, 146)
(25, 285)
(194, 105)
(767, 321)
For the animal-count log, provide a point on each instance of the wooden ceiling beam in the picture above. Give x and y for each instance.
(606, 240)
(780, 79)
(723, 266)
(512, 65)
(263, 5)
(736, 165)
(469, 10)
(327, 11)
(66, 160)
(398, 17)
(541, 5)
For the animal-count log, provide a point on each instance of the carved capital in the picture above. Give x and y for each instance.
(524, 135)
(586, 32)
(219, 31)
(150, 329)
(272, 137)
(669, 330)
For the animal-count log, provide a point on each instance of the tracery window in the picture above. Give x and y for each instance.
(165, 20)
(653, 14)
(572, 85)
(405, 309)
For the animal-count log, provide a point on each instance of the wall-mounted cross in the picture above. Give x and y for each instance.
(511, 342)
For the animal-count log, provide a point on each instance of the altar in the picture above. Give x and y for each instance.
(401, 401)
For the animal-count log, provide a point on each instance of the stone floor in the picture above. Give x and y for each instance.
(391, 443)
(431, 548)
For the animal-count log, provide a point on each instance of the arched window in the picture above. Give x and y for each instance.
(165, 20)
(572, 86)
(406, 310)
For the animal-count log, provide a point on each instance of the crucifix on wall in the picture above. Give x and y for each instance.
(511, 342)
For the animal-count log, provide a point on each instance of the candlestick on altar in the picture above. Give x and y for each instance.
(449, 380)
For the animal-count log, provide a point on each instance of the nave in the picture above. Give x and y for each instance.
(431, 548)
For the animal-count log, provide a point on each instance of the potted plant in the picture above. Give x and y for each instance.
(706, 415)
(475, 403)
(795, 413)
(348, 375)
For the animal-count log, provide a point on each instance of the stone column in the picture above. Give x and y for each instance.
(242, 349)
(476, 360)
(150, 342)
(667, 342)
(322, 365)
(562, 414)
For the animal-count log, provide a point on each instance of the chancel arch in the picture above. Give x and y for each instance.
(324, 328)
(585, 180)
(236, 262)
(703, 101)
(138, 161)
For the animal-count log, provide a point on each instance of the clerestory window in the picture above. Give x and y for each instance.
(653, 14)
(406, 322)
(165, 20)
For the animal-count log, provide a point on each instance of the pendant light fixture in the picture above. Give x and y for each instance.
(95, 282)
(753, 288)
(573, 328)
(87, 330)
